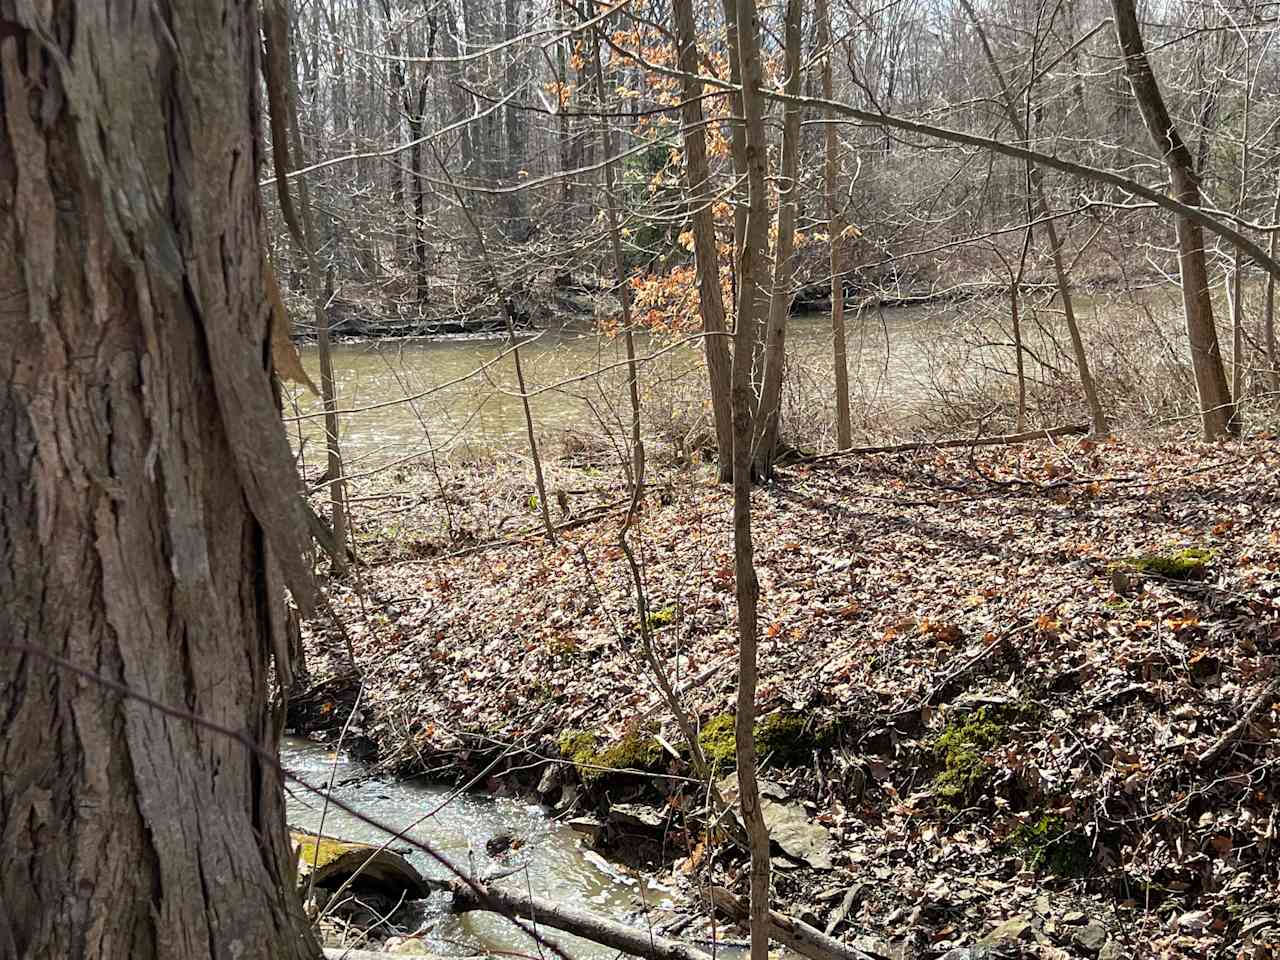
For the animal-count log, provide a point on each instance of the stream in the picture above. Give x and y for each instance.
(556, 864)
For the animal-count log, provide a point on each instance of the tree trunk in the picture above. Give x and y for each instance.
(148, 504)
(1217, 413)
(705, 249)
(751, 264)
(1269, 298)
(835, 229)
(775, 339)
(738, 142)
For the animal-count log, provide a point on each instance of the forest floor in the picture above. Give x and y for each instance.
(1001, 713)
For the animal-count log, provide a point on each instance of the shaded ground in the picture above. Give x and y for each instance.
(1004, 717)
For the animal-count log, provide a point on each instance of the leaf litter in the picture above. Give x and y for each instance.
(902, 596)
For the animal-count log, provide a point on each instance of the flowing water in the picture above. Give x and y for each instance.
(556, 865)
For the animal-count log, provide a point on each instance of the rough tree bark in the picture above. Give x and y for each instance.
(705, 250)
(1217, 413)
(751, 267)
(148, 506)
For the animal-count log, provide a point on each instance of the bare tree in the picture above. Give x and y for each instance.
(751, 266)
(1217, 412)
(705, 250)
(835, 230)
(769, 411)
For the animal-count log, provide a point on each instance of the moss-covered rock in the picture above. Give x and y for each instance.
(719, 743)
(582, 749)
(1049, 844)
(1187, 564)
(635, 751)
(962, 748)
(784, 738)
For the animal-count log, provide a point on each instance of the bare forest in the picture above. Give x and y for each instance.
(658, 478)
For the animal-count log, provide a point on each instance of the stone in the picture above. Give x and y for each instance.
(636, 815)
(589, 827)
(1092, 936)
(552, 777)
(1018, 928)
(801, 838)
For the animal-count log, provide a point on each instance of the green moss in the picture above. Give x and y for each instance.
(784, 738)
(718, 742)
(636, 751)
(1048, 844)
(662, 617)
(582, 749)
(319, 851)
(1187, 564)
(633, 752)
(961, 747)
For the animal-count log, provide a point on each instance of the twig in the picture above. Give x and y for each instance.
(1005, 438)
(1269, 694)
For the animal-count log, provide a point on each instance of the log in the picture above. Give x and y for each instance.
(548, 913)
(796, 934)
(993, 441)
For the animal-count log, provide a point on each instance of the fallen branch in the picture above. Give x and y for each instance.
(1268, 696)
(549, 913)
(998, 440)
(796, 934)
(524, 536)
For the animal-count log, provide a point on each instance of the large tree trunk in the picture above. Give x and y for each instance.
(1217, 413)
(705, 251)
(145, 488)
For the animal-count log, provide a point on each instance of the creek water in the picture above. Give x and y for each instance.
(466, 385)
(555, 864)
(901, 360)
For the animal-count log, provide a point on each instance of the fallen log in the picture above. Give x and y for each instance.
(548, 913)
(796, 934)
(992, 441)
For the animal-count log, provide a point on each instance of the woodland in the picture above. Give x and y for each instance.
(675, 478)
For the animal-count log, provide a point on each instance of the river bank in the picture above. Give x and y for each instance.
(984, 710)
